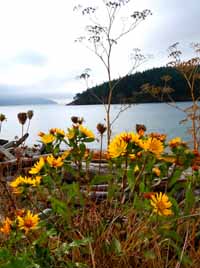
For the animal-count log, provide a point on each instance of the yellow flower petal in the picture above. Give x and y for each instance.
(161, 204)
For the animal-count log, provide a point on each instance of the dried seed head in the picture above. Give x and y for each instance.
(30, 114)
(52, 131)
(22, 118)
(101, 128)
(2, 117)
(77, 120)
(140, 129)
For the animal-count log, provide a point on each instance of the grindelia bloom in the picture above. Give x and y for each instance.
(36, 181)
(117, 147)
(47, 138)
(28, 222)
(37, 166)
(57, 131)
(65, 154)
(53, 162)
(176, 142)
(130, 137)
(6, 227)
(19, 182)
(153, 145)
(86, 132)
(158, 136)
(161, 204)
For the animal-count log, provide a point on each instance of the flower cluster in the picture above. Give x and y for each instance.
(129, 143)
(26, 222)
(20, 183)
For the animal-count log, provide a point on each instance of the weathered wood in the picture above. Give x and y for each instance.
(21, 140)
(7, 153)
(2, 142)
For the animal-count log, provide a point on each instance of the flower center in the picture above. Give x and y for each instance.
(161, 206)
(28, 223)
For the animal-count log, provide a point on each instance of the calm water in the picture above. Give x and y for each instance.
(157, 118)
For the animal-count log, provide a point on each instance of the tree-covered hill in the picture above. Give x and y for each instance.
(128, 89)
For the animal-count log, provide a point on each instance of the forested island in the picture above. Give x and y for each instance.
(134, 88)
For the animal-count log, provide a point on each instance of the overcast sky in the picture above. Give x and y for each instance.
(38, 54)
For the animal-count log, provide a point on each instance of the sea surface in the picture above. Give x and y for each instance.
(157, 117)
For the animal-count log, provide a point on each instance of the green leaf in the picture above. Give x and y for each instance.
(116, 246)
(189, 199)
(88, 139)
(4, 254)
(98, 179)
(78, 243)
(56, 149)
(59, 207)
(72, 192)
(130, 178)
(175, 207)
(149, 255)
(82, 147)
(176, 175)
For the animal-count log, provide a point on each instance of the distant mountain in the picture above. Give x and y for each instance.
(129, 88)
(16, 100)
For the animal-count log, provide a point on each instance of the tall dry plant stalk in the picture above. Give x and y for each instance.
(190, 70)
(2, 119)
(102, 37)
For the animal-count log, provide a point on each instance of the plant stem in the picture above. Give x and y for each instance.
(100, 155)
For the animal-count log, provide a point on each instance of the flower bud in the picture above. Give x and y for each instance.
(101, 128)
(77, 120)
(22, 118)
(2, 117)
(30, 114)
(140, 129)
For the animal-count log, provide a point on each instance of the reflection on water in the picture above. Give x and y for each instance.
(157, 117)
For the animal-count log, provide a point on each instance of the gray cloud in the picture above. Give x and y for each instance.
(31, 57)
(51, 87)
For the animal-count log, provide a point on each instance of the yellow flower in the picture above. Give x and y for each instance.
(60, 132)
(53, 162)
(117, 147)
(129, 137)
(161, 137)
(136, 169)
(6, 227)
(161, 204)
(152, 145)
(71, 133)
(135, 138)
(86, 132)
(36, 181)
(175, 142)
(65, 154)
(168, 159)
(47, 138)
(37, 166)
(156, 171)
(21, 181)
(132, 156)
(28, 222)
(126, 136)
